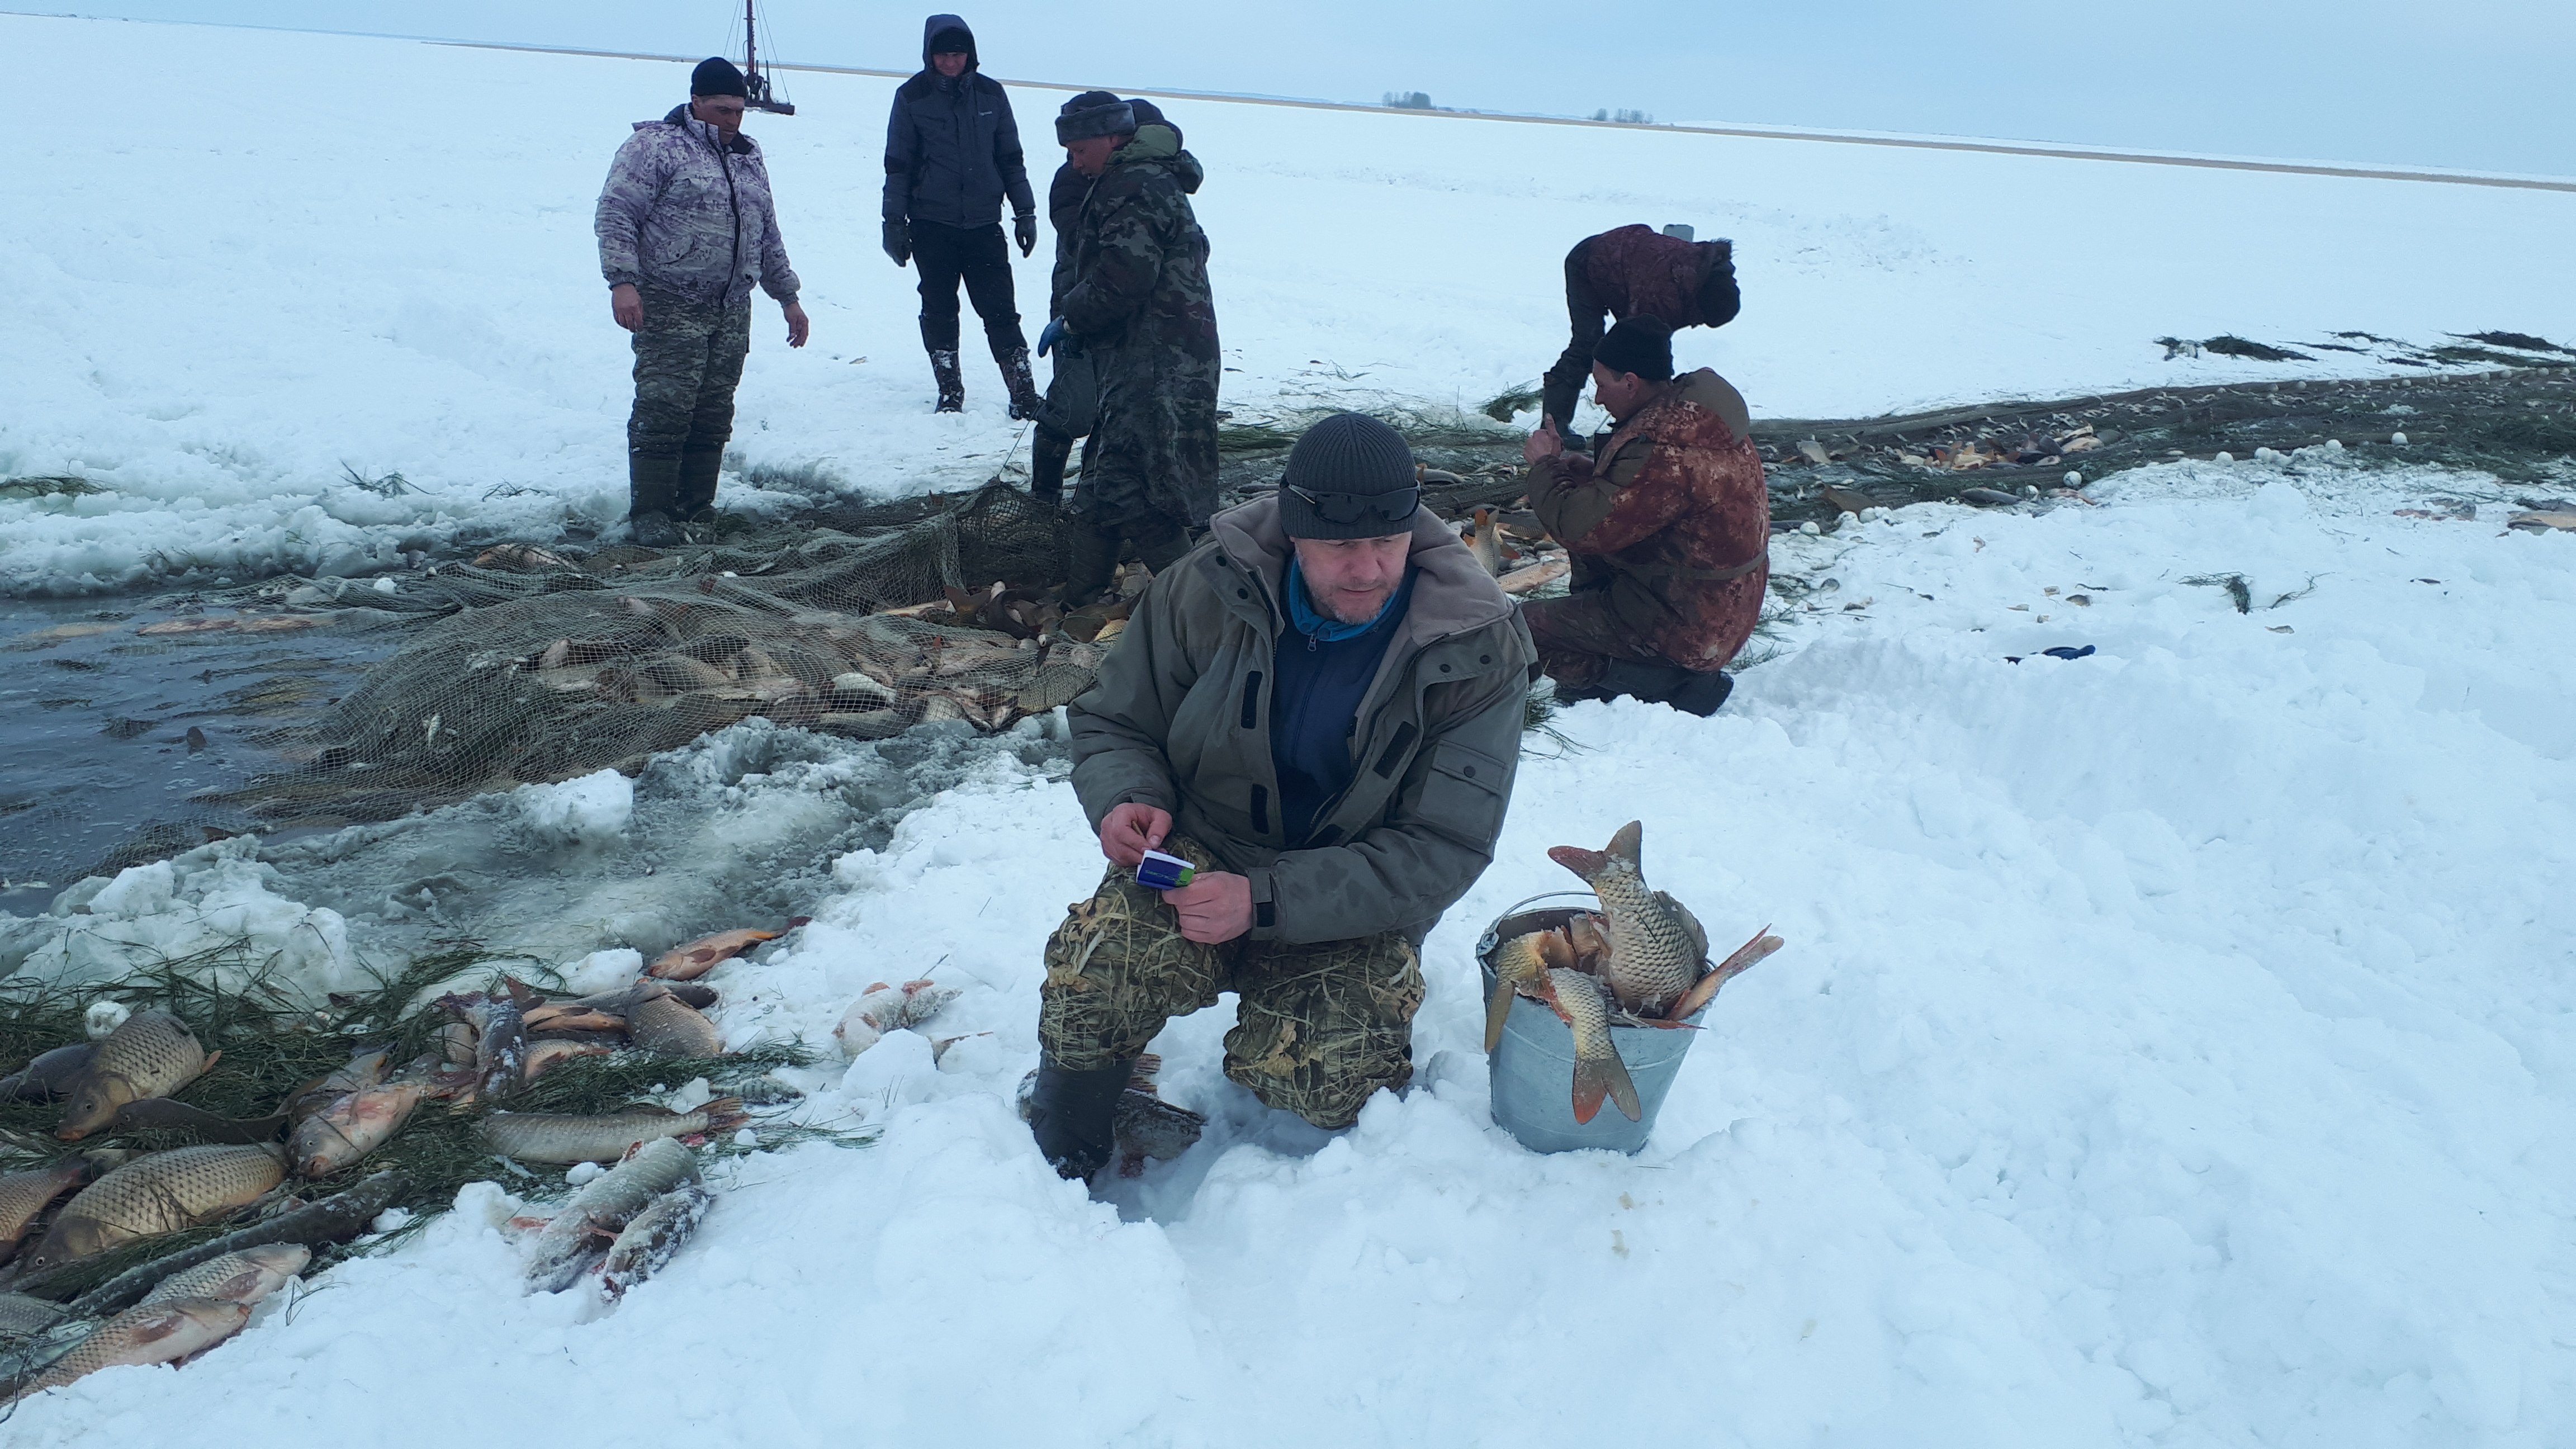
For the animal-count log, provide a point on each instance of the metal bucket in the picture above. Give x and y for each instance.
(1532, 1068)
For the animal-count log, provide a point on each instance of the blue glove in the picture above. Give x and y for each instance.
(1053, 334)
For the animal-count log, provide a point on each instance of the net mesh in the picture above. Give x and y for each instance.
(532, 667)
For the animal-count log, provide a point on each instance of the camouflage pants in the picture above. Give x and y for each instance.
(1318, 1027)
(688, 360)
(1579, 636)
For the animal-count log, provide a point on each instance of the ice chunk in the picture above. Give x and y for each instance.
(583, 811)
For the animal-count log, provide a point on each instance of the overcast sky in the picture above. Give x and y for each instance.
(2478, 84)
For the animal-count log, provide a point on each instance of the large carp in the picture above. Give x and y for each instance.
(1657, 946)
(151, 1054)
(147, 1334)
(161, 1193)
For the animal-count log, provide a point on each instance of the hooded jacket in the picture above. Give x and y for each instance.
(685, 211)
(952, 148)
(1066, 193)
(1180, 720)
(1637, 271)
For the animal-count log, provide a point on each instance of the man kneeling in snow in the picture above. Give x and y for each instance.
(1320, 708)
(1669, 531)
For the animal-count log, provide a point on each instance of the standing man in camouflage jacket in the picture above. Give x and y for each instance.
(952, 154)
(1319, 708)
(1670, 532)
(1071, 396)
(686, 229)
(1138, 308)
(1636, 271)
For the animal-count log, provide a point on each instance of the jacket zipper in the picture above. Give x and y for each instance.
(733, 200)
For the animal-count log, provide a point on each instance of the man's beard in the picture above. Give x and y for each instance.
(1332, 608)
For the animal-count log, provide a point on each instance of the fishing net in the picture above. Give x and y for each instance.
(529, 666)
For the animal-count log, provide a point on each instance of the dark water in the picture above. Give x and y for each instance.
(106, 732)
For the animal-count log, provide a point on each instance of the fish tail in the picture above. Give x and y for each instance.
(1584, 863)
(1629, 844)
(1498, 1009)
(724, 1113)
(1599, 1077)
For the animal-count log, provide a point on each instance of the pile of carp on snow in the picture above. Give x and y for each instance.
(621, 1225)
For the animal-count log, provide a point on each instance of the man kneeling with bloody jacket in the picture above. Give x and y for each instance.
(1669, 532)
(1320, 709)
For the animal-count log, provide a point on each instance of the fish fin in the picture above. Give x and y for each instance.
(1690, 924)
(1610, 1075)
(1629, 844)
(520, 994)
(1498, 1010)
(1591, 1084)
(1556, 948)
(1585, 863)
(1744, 959)
(211, 1059)
(725, 1112)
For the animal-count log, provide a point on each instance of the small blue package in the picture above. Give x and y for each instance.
(1161, 872)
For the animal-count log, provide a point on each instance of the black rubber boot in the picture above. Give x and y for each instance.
(952, 383)
(652, 491)
(1163, 546)
(1649, 683)
(1091, 561)
(696, 490)
(1074, 1115)
(1014, 362)
(1048, 454)
(1701, 694)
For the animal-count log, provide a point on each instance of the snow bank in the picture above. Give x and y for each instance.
(593, 808)
(2173, 1045)
(240, 323)
(213, 902)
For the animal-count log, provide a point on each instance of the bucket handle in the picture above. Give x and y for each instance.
(1485, 943)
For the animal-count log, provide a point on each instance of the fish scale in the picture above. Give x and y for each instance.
(244, 1277)
(24, 1195)
(1657, 945)
(603, 1206)
(161, 1193)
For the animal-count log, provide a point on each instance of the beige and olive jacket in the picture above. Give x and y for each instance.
(1181, 720)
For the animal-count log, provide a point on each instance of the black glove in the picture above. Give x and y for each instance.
(898, 242)
(1024, 230)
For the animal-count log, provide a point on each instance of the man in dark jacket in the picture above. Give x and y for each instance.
(1669, 531)
(1636, 271)
(1137, 310)
(686, 229)
(952, 154)
(1067, 416)
(1319, 708)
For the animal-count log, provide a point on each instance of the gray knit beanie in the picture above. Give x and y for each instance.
(1350, 476)
(1093, 113)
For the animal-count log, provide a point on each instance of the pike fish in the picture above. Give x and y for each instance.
(245, 1277)
(546, 1137)
(565, 1247)
(24, 1196)
(157, 1333)
(161, 1193)
(49, 1075)
(1657, 946)
(151, 1054)
(698, 957)
(653, 1237)
(1598, 1072)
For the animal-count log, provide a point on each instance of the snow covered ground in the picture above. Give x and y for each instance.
(2173, 1046)
(226, 298)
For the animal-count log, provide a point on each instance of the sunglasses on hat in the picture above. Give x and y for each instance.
(1395, 507)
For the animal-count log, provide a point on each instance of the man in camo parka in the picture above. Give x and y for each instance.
(1320, 709)
(686, 230)
(1138, 309)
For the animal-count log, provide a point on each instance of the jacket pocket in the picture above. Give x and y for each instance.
(1462, 794)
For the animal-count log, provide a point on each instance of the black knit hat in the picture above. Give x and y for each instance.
(716, 76)
(1093, 113)
(1350, 476)
(1641, 345)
